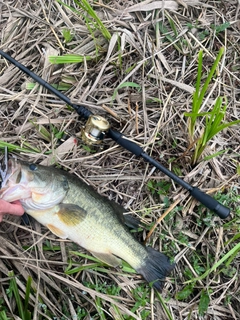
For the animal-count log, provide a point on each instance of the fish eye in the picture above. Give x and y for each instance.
(33, 167)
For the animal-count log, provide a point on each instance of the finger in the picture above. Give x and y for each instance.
(16, 202)
(16, 209)
(11, 208)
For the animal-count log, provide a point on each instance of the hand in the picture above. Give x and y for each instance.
(14, 208)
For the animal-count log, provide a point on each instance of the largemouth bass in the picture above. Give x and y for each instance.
(73, 210)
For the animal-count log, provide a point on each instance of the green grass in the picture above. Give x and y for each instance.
(207, 268)
(171, 33)
(26, 147)
(92, 20)
(93, 23)
(16, 148)
(21, 299)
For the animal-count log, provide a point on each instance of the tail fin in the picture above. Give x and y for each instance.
(155, 268)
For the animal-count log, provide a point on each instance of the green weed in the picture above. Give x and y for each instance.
(158, 187)
(203, 34)
(81, 313)
(67, 34)
(220, 28)
(104, 288)
(141, 296)
(89, 149)
(213, 123)
(93, 23)
(229, 255)
(185, 292)
(48, 134)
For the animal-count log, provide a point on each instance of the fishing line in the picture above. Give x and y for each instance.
(97, 127)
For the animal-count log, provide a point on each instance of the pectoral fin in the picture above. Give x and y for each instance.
(70, 214)
(67, 215)
(58, 232)
(108, 258)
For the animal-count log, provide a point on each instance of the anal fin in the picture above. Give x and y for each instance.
(107, 258)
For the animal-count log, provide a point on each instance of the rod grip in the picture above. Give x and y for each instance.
(212, 204)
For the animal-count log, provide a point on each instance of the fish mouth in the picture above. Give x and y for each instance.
(11, 187)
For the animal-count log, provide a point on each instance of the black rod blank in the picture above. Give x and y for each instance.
(212, 204)
(85, 113)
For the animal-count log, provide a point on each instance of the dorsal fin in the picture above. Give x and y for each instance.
(126, 219)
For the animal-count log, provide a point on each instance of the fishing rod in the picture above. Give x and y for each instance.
(97, 128)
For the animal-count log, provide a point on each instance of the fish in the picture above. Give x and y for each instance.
(71, 209)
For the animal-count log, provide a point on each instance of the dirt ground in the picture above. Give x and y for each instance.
(141, 76)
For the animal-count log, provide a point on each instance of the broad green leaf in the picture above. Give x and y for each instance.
(204, 303)
(198, 95)
(69, 58)
(215, 154)
(210, 76)
(27, 296)
(61, 86)
(129, 84)
(199, 75)
(185, 292)
(238, 169)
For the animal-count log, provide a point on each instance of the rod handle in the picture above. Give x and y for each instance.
(212, 204)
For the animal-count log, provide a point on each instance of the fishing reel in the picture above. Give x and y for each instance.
(95, 130)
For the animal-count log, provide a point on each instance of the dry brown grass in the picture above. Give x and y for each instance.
(154, 117)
